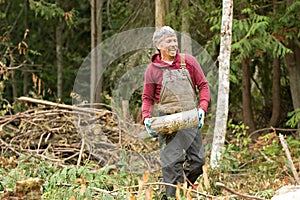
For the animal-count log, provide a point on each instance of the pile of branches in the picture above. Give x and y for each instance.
(71, 135)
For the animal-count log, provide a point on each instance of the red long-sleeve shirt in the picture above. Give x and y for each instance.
(153, 82)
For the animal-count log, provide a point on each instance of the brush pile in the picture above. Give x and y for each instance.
(67, 134)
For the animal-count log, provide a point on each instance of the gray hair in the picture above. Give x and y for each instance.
(159, 34)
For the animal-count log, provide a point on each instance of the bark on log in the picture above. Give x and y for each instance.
(170, 123)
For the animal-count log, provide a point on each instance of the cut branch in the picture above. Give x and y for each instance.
(289, 157)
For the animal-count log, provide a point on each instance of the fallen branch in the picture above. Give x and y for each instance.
(165, 184)
(273, 129)
(288, 155)
(59, 105)
(222, 185)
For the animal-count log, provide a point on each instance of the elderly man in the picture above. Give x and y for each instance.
(172, 81)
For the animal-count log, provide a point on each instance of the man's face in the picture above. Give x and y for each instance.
(168, 47)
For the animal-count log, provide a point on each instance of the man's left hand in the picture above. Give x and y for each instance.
(201, 115)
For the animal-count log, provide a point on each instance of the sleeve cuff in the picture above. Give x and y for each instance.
(204, 105)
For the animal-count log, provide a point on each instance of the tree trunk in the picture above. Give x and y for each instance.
(186, 41)
(25, 82)
(274, 121)
(125, 110)
(25, 73)
(93, 46)
(14, 84)
(96, 38)
(59, 57)
(247, 106)
(167, 7)
(293, 67)
(99, 68)
(275, 118)
(223, 90)
(160, 13)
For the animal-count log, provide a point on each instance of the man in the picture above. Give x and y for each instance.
(172, 81)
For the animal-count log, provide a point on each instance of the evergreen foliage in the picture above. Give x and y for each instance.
(260, 33)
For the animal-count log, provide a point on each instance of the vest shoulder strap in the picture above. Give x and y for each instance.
(182, 61)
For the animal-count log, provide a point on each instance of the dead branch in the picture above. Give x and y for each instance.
(289, 157)
(272, 129)
(59, 105)
(80, 154)
(163, 184)
(222, 185)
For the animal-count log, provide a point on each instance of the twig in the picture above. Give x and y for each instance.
(273, 129)
(103, 191)
(47, 158)
(166, 184)
(80, 154)
(10, 147)
(90, 187)
(222, 185)
(237, 193)
(288, 155)
(68, 158)
(266, 157)
(40, 141)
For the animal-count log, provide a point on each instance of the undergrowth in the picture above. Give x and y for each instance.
(257, 169)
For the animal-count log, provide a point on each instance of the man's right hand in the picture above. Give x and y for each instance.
(147, 123)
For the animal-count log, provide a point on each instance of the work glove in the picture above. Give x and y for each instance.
(201, 115)
(147, 123)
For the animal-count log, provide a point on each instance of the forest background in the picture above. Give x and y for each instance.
(43, 44)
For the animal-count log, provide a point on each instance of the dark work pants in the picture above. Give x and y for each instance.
(181, 156)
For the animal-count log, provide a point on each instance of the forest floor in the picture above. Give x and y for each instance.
(45, 155)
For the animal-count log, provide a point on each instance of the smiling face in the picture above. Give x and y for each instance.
(168, 47)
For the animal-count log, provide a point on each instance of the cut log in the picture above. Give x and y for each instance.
(168, 124)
